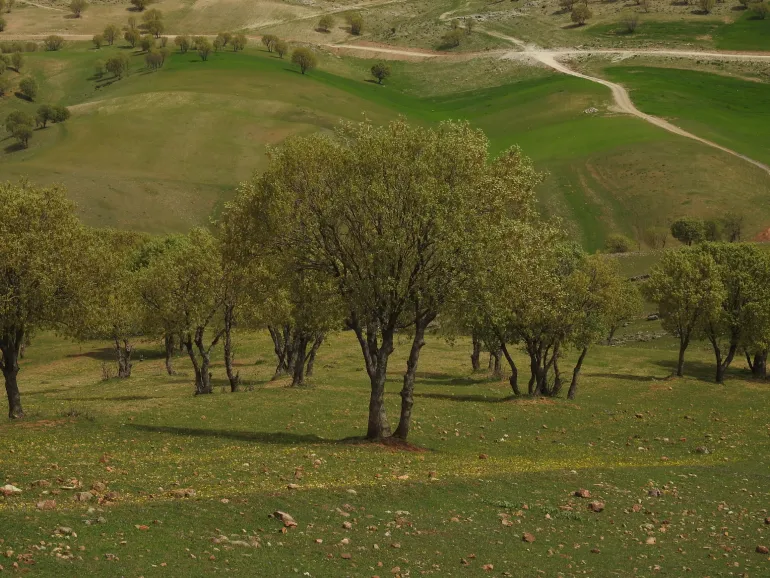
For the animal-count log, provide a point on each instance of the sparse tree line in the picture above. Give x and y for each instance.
(20, 125)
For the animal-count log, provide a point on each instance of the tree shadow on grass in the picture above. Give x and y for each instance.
(277, 438)
(626, 376)
(698, 369)
(445, 379)
(108, 398)
(14, 147)
(469, 397)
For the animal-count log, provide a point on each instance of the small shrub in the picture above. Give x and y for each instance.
(452, 39)
(617, 243)
(356, 22)
(53, 42)
(760, 10)
(28, 87)
(281, 47)
(631, 22)
(325, 23)
(304, 58)
(581, 13)
(706, 5)
(269, 41)
(381, 71)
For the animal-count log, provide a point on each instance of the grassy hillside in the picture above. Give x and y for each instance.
(438, 511)
(161, 151)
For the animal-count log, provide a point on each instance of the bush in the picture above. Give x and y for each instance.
(269, 41)
(53, 42)
(2, 24)
(617, 243)
(141, 4)
(17, 60)
(356, 22)
(5, 85)
(580, 14)
(688, 230)
(183, 42)
(452, 39)
(304, 58)
(77, 7)
(325, 23)
(98, 40)
(706, 5)
(381, 71)
(30, 47)
(760, 10)
(630, 22)
(28, 87)
(117, 65)
(281, 47)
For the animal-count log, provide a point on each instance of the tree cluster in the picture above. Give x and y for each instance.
(692, 230)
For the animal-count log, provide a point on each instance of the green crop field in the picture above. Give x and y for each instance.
(162, 151)
(366, 510)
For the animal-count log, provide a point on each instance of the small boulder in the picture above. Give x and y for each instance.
(763, 550)
(527, 537)
(286, 518)
(654, 493)
(10, 490)
(83, 496)
(46, 505)
(582, 493)
(596, 506)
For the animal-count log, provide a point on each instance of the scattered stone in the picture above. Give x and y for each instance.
(702, 450)
(347, 525)
(483, 456)
(654, 493)
(98, 487)
(650, 541)
(63, 530)
(40, 484)
(9, 490)
(527, 537)
(46, 505)
(83, 496)
(595, 551)
(596, 506)
(292, 487)
(582, 493)
(346, 556)
(183, 493)
(763, 550)
(488, 567)
(287, 519)
(653, 317)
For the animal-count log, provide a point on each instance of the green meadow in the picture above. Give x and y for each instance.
(161, 151)
(485, 469)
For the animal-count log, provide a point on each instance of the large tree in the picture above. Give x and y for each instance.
(183, 286)
(39, 250)
(687, 288)
(395, 215)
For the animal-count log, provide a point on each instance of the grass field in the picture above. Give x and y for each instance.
(438, 511)
(161, 151)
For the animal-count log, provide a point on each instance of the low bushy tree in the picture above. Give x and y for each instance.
(281, 47)
(381, 71)
(110, 33)
(580, 14)
(118, 65)
(326, 22)
(688, 230)
(617, 243)
(183, 42)
(77, 7)
(53, 42)
(28, 88)
(356, 23)
(304, 58)
(97, 40)
(269, 41)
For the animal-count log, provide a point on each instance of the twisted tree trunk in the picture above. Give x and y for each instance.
(407, 391)
(168, 341)
(10, 345)
(123, 350)
(233, 377)
(376, 354)
(573, 386)
(476, 353)
(313, 350)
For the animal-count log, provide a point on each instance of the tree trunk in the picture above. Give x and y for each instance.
(300, 357)
(476, 353)
(497, 370)
(313, 350)
(557, 384)
(683, 343)
(168, 341)
(491, 364)
(759, 367)
(514, 379)
(123, 352)
(10, 345)
(232, 377)
(376, 359)
(611, 335)
(576, 375)
(407, 391)
(202, 373)
(722, 363)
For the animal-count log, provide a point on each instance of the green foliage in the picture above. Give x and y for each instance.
(118, 65)
(111, 33)
(53, 42)
(281, 47)
(760, 10)
(39, 251)
(304, 58)
(140, 5)
(269, 41)
(153, 22)
(580, 13)
(77, 7)
(617, 243)
(28, 87)
(356, 22)
(380, 71)
(154, 59)
(326, 22)
(706, 6)
(44, 114)
(688, 230)
(183, 42)
(239, 42)
(204, 47)
(452, 39)
(5, 84)
(224, 38)
(147, 43)
(97, 40)
(132, 36)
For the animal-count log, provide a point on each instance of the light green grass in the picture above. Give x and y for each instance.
(149, 435)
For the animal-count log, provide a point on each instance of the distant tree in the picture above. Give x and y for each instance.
(326, 22)
(147, 42)
(644, 5)
(97, 40)
(239, 42)
(3, 67)
(567, 5)
(77, 7)
(452, 39)
(217, 44)
(304, 58)
(132, 36)
(140, 5)
(17, 118)
(131, 23)
(154, 59)
(44, 115)
(712, 230)
(707, 5)
(281, 47)
(225, 38)
(5, 85)
(760, 10)
(656, 237)
(356, 23)
(183, 42)
(2, 23)
(203, 46)
(269, 41)
(630, 21)
(617, 243)
(117, 65)
(60, 113)
(39, 252)
(625, 305)
(581, 13)
(153, 22)
(28, 88)
(687, 288)
(470, 24)
(30, 46)
(381, 71)
(688, 230)
(53, 42)
(110, 34)
(17, 59)
(732, 225)
(22, 133)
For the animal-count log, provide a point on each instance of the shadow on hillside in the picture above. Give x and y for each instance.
(445, 378)
(278, 438)
(701, 370)
(469, 397)
(626, 376)
(108, 398)
(108, 354)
